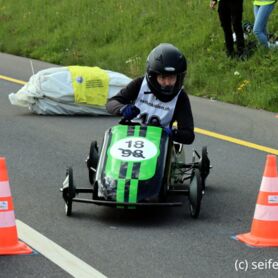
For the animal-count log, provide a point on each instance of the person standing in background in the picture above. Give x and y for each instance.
(262, 11)
(230, 15)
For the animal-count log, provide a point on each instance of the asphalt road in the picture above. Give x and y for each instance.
(151, 243)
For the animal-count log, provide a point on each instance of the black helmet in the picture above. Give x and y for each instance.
(165, 59)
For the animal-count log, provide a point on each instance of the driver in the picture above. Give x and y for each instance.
(159, 97)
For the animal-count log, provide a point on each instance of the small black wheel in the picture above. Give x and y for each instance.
(68, 208)
(95, 191)
(204, 166)
(92, 161)
(68, 191)
(195, 194)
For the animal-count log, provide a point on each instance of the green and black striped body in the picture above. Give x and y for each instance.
(132, 164)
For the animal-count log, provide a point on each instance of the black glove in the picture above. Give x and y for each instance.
(130, 111)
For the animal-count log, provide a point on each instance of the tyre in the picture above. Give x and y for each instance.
(68, 208)
(204, 166)
(92, 162)
(95, 191)
(68, 191)
(195, 194)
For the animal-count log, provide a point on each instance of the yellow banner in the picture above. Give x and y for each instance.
(90, 85)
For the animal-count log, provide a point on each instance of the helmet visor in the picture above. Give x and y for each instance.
(167, 83)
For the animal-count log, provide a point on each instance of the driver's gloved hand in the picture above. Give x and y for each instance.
(130, 111)
(168, 130)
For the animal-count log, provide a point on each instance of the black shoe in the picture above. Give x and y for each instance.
(230, 54)
(242, 56)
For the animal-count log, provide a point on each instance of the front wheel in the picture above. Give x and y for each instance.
(68, 208)
(68, 191)
(204, 166)
(195, 194)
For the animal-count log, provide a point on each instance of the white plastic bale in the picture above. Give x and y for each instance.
(50, 92)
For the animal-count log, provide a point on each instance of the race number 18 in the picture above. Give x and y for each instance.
(135, 153)
(133, 149)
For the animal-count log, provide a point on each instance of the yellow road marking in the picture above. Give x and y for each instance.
(197, 130)
(236, 141)
(12, 80)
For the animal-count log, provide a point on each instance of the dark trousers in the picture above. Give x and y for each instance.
(230, 15)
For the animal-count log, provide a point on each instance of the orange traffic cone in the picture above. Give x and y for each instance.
(9, 244)
(264, 229)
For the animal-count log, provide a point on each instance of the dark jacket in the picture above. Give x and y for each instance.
(182, 115)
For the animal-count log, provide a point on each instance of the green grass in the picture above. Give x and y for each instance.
(118, 35)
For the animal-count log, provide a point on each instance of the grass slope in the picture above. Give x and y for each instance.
(118, 35)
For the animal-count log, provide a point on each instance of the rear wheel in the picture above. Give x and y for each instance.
(95, 191)
(92, 162)
(195, 194)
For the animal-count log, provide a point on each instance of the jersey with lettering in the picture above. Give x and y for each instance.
(152, 110)
(180, 109)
